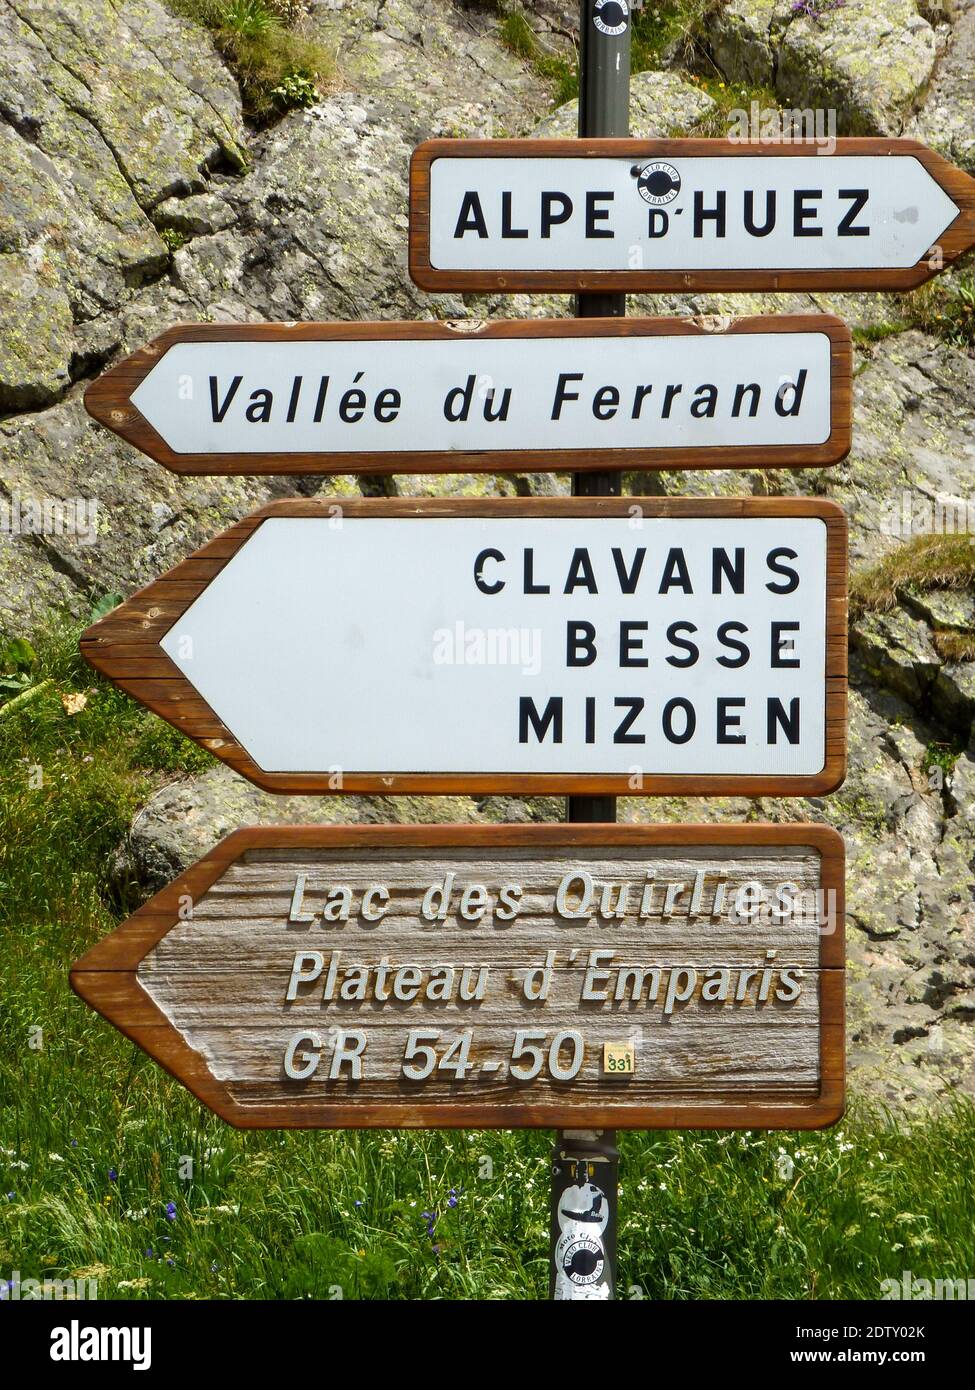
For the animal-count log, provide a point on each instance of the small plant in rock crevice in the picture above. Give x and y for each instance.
(270, 47)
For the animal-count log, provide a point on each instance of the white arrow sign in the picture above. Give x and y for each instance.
(608, 392)
(632, 214)
(632, 644)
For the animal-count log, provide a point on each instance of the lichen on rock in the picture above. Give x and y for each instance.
(105, 110)
(869, 63)
(662, 105)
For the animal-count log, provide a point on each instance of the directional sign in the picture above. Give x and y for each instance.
(612, 645)
(400, 397)
(641, 976)
(684, 215)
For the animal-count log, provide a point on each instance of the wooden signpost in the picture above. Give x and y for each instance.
(579, 645)
(597, 215)
(497, 396)
(583, 976)
(638, 976)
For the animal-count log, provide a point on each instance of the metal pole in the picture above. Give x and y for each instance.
(585, 1163)
(582, 1229)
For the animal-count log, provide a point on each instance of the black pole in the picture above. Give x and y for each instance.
(585, 1163)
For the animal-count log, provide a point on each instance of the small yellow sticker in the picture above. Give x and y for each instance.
(619, 1059)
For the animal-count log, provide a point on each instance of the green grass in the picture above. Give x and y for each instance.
(673, 34)
(561, 72)
(70, 782)
(290, 1215)
(678, 26)
(669, 27)
(173, 238)
(923, 563)
(945, 307)
(878, 332)
(277, 61)
(940, 759)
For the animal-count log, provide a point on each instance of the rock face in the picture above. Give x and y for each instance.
(182, 821)
(132, 197)
(910, 921)
(947, 122)
(435, 69)
(913, 443)
(662, 105)
(868, 63)
(105, 110)
(315, 229)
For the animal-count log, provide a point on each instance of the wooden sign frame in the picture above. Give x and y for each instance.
(108, 398)
(106, 979)
(124, 646)
(958, 238)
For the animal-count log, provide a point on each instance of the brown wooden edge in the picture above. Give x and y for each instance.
(956, 239)
(108, 398)
(124, 646)
(106, 979)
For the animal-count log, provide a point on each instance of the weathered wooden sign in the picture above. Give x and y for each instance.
(684, 214)
(634, 976)
(614, 645)
(401, 397)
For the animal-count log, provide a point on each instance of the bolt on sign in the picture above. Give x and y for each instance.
(599, 215)
(634, 976)
(624, 393)
(612, 645)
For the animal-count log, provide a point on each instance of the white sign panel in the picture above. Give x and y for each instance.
(695, 208)
(517, 394)
(279, 397)
(581, 645)
(748, 213)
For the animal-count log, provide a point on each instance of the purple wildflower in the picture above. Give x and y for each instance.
(170, 1211)
(815, 9)
(112, 1175)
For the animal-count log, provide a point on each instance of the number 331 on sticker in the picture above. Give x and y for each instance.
(619, 1059)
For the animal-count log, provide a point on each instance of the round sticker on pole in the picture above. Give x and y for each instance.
(611, 17)
(658, 183)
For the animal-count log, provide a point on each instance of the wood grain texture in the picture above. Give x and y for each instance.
(204, 994)
(957, 239)
(108, 398)
(124, 646)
